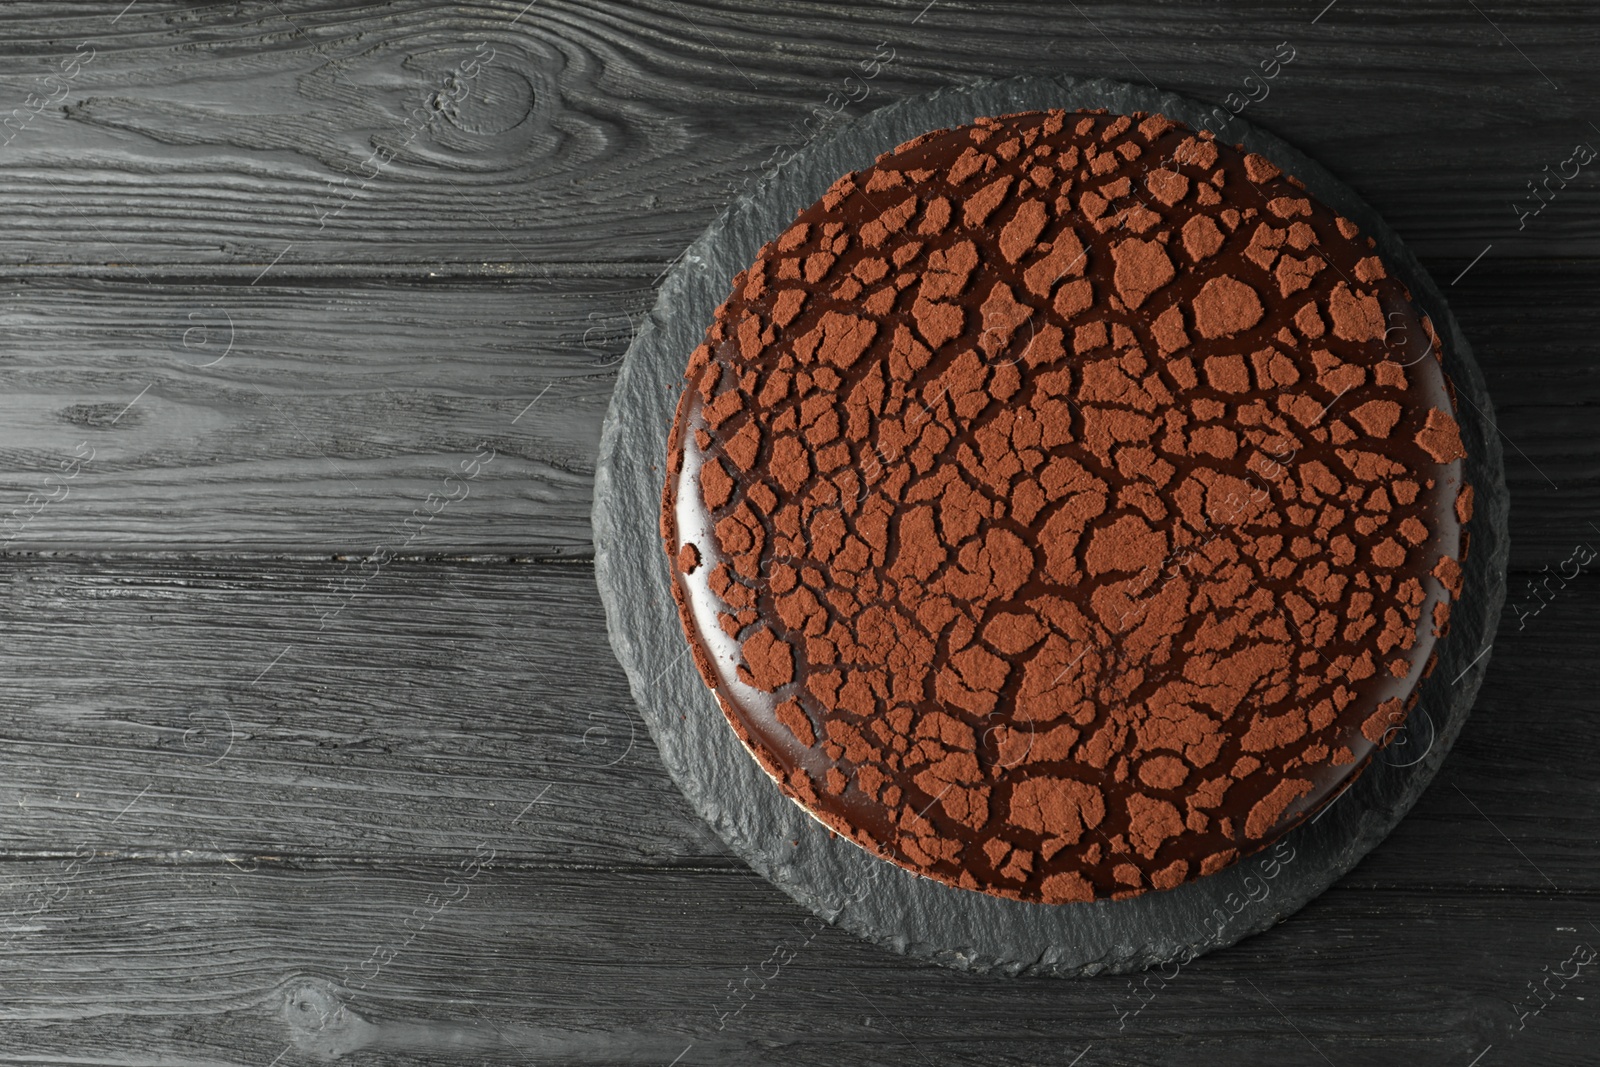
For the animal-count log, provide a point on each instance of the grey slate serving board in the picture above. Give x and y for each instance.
(833, 877)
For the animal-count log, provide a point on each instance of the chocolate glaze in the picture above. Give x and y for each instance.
(1170, 691)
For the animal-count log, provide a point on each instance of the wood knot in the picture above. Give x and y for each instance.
(496, 101)
(99, 416)
(319, 1022)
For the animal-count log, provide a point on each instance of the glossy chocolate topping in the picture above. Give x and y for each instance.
(1066, 505)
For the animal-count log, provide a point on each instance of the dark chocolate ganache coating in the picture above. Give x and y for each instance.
(1066, 505)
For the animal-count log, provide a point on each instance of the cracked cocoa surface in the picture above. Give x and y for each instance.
(1066, 505)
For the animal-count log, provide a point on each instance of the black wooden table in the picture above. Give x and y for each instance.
(314, 749)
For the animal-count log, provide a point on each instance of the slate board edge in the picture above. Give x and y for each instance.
(833, 877)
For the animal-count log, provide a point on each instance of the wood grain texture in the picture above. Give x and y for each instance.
(315, 420)
(253, 965)
(244, 765)
(289, 710)
(306, 419)
(223, 136)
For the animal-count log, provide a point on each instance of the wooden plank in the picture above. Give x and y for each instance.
(301, 710)
(123, 962)
(1530, 327)
(319, 419)
(496, 137)
(307, 419)
(193, 709)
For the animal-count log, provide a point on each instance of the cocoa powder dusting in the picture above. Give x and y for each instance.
(1049, 514)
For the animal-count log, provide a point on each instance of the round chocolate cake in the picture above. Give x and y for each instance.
(1066, 505)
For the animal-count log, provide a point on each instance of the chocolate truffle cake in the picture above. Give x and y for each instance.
(1066, 505)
